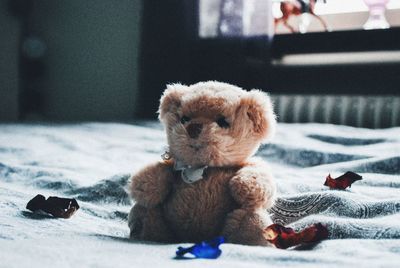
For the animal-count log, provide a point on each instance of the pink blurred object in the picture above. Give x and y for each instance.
(376, 19)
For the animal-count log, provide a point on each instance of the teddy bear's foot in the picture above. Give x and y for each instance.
(148, 224)
(246, 227)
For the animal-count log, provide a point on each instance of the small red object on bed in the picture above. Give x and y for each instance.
(285, 237)
(342, 182)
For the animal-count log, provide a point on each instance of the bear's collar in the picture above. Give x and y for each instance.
(189, 174)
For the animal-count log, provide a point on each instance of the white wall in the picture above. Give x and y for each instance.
(91, 59)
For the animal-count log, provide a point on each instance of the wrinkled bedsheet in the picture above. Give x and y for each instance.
(92, 162)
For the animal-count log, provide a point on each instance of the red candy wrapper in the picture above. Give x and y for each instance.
(285, 237)
(342, 182)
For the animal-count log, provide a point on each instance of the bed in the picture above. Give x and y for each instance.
(92, 162)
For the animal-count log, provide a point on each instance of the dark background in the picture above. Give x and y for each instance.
(104, 60)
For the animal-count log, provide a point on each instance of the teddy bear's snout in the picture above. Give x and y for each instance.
(194, 130)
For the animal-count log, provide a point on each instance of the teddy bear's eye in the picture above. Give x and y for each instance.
(222, 122)
(185, 119)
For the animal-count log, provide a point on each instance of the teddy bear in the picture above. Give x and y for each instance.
(208, 184)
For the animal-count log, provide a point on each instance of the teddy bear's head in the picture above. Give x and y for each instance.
(215, 124)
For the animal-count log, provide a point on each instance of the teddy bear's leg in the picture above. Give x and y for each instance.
(246, 227)
(148, 224)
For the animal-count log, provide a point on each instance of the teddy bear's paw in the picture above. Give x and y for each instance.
(248, 191)
(151, 185)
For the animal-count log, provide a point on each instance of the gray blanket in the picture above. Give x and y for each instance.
(92, 162)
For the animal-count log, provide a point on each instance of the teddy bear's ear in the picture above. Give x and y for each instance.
(171, 100)
(257, 107)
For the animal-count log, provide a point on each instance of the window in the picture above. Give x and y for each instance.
(235, 18)
(340, 15)
(255, 17)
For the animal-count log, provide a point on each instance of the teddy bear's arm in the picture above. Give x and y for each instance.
(151, 185)
(253, 187)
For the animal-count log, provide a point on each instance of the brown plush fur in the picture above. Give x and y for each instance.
(233, 197)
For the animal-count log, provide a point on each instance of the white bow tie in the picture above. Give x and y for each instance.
(189, 174)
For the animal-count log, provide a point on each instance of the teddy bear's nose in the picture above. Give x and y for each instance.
(194, 130)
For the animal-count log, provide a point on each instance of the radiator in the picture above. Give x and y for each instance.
(359, 111)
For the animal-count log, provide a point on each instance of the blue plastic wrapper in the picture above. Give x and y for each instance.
(205, 250)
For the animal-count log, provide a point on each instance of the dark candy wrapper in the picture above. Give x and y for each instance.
(205, 250)
(56, 206)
